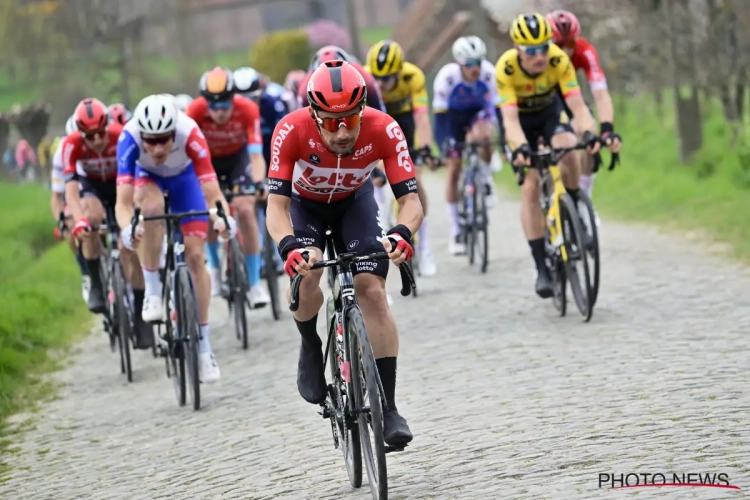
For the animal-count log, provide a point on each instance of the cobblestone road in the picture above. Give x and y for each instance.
(506, 400)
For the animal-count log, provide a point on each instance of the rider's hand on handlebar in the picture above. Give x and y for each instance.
(612, 140)
(299, 261)
(521, 156)
(398, 245)
(260, 190)
(224, 231)
(128, 240)
(82, 228)
(593, 143)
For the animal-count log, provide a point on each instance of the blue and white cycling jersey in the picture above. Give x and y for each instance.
(457, 104)
(273, 89)
(272, 110)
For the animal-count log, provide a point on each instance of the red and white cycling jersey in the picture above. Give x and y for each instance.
(79, 160)
(585, 57)
(302, 164)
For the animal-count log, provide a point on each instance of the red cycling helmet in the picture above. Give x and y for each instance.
(91, 114)
(565, 26)
(328, 53)
(119, 113)
(336, 87)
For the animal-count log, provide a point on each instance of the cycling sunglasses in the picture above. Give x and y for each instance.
(473, 64)
(94, 134)
(219, 106)
(162, 139)
(334, 124)
(532, 50)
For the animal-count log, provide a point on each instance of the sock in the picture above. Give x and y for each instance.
(204, 345)
(252, 266)
(262, 228)
(138, 296)
(387, 372)
(538, 253)
(455, 220)
(93, 267)
(309, 331)
(423, 235)
(82, 264)
(212, 252)
(153, 282)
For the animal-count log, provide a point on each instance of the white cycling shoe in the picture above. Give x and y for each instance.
(215, 281)
(208, 368)
(456, 246)
(153, 309)
(258, 296)
(427, 265)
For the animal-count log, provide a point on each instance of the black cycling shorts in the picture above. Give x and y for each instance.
(544, 124)
(408, 127)
(106, 191)
(233, 170)
(355, 225)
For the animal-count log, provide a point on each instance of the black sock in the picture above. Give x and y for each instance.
(93, 267)
(309, 331)
(387, 371)
(82, 264)
(138, 301)
(539, 253)
(573, 193)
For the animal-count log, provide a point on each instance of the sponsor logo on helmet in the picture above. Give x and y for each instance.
(339, 106)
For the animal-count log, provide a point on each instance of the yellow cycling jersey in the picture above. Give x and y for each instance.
(409, 94)
(535, 92)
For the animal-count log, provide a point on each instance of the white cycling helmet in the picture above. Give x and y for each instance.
(70, 125)
(469, 48)
(182, 101)
(247, 81)
(156, 114)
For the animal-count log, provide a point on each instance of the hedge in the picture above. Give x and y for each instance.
(276, 54)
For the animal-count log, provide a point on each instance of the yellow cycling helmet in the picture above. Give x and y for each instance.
(530, 29)
(385, 58)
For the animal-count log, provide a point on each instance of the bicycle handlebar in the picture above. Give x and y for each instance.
(138, 218)
(554, 155)
(407, 278)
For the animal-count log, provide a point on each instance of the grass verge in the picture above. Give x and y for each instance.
(710, 194)
(42, 310)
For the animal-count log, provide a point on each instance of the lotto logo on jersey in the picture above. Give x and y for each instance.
(394, 132)
(317, 178)
(277, 143)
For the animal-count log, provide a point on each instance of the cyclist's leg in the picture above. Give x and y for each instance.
(223, 170)
(459, 123)
(587, 162)
(91, 245)
(244, 206)
(308, 220)
(359, 230)
(185, 195)
(559, 133)
(482, 130)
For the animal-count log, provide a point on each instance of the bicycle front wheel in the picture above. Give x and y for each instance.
(590, 240)
(576, 265)
(124, 318)
(189, 334)
(368, 403)
(238, 292)
(479, 238)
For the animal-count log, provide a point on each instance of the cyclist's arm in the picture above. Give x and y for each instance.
(197, 150)
(255, 143)
(57, 201)
(399, 168)
(56, 204)
(508, 101)
(127, 155)
(72, 190)
(420, 105)
(283, 158)
(597, 82)
(571, 92)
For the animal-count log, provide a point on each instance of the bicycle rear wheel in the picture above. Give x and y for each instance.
(124, 318)
(591, 240)
(272, 277)
(346, 424)
(368, 403)
(187, 326)
(238, 290)
(580, 284)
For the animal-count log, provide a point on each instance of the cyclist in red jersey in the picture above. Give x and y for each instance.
(566, 31)
(331, 53)
(231, 125)
(320, 171)
(89, 157)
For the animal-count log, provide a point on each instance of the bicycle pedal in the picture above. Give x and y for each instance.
(395, 449)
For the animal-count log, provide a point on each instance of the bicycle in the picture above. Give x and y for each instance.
(473, 215)
(182, 332)
(564, 233)
(270, 273)
(355, 399)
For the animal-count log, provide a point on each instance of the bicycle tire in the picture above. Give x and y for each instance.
(479, 225)
(348, 431)
(559, 285)
(124, 320)
(238, 292)
(109, 321)
(592, 249)
(272, 277)
(365, 377)
(187, 326)
(175, 352)
(571, 221)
